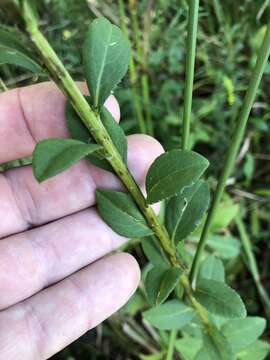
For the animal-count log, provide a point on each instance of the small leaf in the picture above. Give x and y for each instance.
(170, 315)
(226, 247)
(152, 284)
(212, 269)
(188, 346)
(78, 131)
(171, 172)
(243, 332)
(185, 211)
(215, 346)
(53, 156)
(120, 212)
(154, 254)
(220, 299)
(169, 281)
(106, 55)
(76, 128)
(256, 351)
(160, 282)
(13, 41)
(14, 57)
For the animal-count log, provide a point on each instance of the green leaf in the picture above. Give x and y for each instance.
(243, 332)
(152, 284)
(212, 269)
(225, 247)
(13, 41)
(154, 254)
(256, 351)
(188, 347)
(53, 156)
(160, 282)
(106, 55)
(135, 304)
(220, 299)
(169, 281)
(76, 128)
(170, 315)
(171, 172)
(185, 211)
(14, 57)
(78, 131)
(120, 212)
(215, 347)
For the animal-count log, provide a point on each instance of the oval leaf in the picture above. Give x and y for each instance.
(212, 269)
(154, 254)
(13, 40)
(152, 284)
(185, 211)
(258, 350)
(14, 57)
(53, 156)
(220, 299)
(120, 212)
(243, 332)
(106, 55)
(170, 315)
(215, 346)
(169, 281)
(171, 172)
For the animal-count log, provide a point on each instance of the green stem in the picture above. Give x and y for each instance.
(234, 147)
(133, 6)
(190, 63)
(252, 264)
(170, 352)
(133, 75)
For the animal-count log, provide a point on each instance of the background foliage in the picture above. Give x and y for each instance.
(230, 33)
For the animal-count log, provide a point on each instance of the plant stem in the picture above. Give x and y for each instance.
(252, 264)
(190, 63)
(172, 339)
(133, 75)
(133, 6)
(234, 147)
(92, 121)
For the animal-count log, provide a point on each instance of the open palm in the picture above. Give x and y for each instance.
(55, 282)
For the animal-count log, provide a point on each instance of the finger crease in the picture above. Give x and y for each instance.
(28, 127)
(37, 330)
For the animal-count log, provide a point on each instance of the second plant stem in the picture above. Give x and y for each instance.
(189, 74)
(237, 137)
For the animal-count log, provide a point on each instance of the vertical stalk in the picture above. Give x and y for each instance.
(142, 61)
(190, 63)
(252, 264)
(133, 75)
(172, 339)
(234, 147)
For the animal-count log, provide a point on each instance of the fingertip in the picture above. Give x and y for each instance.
(113, 106)
(143, 150)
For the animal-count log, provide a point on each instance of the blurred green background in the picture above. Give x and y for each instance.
(229, 34)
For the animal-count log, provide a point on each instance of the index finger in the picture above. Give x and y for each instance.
(33, 113)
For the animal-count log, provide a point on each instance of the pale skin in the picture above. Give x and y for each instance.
(56, 278)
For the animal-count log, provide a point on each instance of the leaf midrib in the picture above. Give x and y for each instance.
(102, 67)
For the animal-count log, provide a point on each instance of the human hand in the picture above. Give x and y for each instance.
(55, 282)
